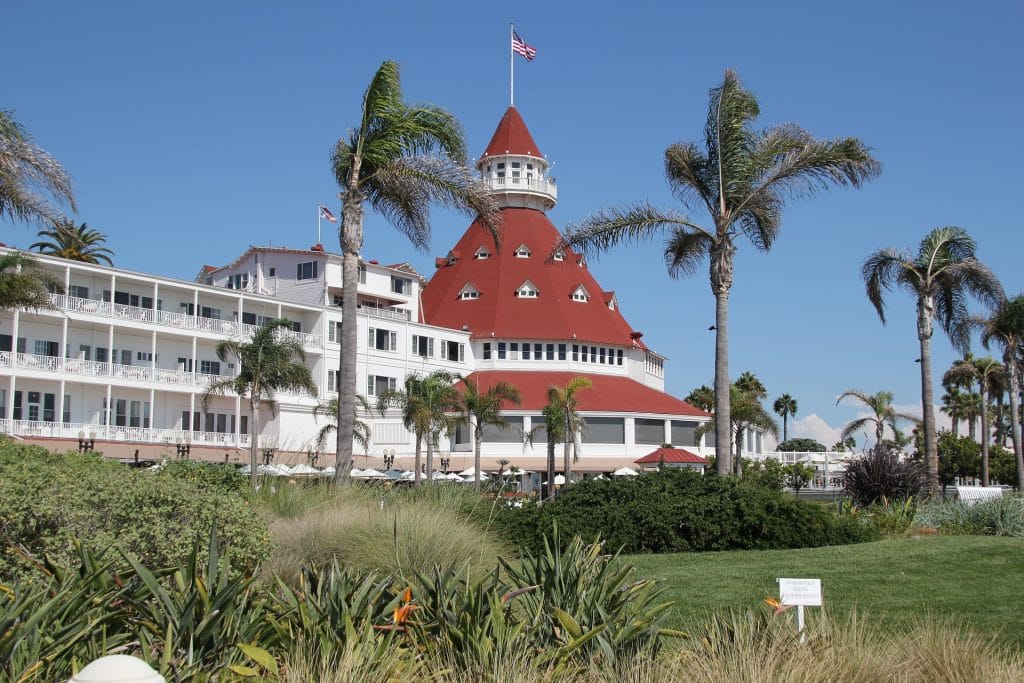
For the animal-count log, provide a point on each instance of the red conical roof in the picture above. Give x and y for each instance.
(512, 137)
(499, 312)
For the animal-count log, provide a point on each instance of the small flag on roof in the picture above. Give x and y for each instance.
(519, 46)
(326, 213)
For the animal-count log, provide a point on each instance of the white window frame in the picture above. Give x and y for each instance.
(469, 291)
(527, 290)
(482, 254)
(314, 270)
(392, 338)
(522, 251)
(580, 294)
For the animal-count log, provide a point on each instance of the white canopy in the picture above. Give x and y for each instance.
(559, 479)
(624, 472)
(303, 470)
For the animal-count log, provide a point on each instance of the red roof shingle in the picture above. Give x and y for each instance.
(512, 137)
(672, 455)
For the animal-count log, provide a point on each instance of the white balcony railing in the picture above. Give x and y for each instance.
(73, 430)
(175, 319)
(92, 368)
(543, 186)
(388, 313)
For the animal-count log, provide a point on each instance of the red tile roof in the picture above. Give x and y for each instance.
(512, 137)
(498, 312)
(608, 393)
(672, 455)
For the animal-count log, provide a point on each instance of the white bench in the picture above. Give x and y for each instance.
(978, 494)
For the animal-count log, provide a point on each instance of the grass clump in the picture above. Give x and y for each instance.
(366, 528)
(1003, 516)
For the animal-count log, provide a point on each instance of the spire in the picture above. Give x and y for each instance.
(514, 168)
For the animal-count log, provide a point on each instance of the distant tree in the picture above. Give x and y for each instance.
(23, 284)
(424, 403)
(847, 444)
(270, 361)
(989, 374)
(785, 406)
(742, 178)
(880, 404)
(798, 475)
(28, 175)
(702, 397)
(802, 445)
(481, 408)
(361, 431)
(1002, 465)
(940, 277)
(765, 472)
(76, 243)
(958, 457)
(565, 404)
(749, 384)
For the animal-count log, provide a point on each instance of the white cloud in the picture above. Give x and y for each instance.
(813, 427)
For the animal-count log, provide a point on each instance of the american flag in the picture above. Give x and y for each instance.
(326, 213)
(519, 46)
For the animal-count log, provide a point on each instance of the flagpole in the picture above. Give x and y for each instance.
(318, 212)
(511, 67)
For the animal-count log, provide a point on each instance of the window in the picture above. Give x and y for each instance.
(502, 349)
(144, 355)
(618, 355)
(376, 385)
(585, 357)
(423, 346)
(307, 270)
(66, 417)
(46, 348)
(135, 416)
(559, 255)
(580, 294)
(575, 352)
(510, 432)
(49, 414)
(551, 352)
(469, 292)
(482, 254)
(513, 351)
(184, 364)
(383, 340)
(522, 251)
(254, 319)
(332, 380)
(361, 274)
(121, 412)
(650, 432)
(538, 352)
(453, 351)
(602, 356)
(209, 312)
(209, 367)
(85, 351)
(240, 280)
(272, 272)
(526, 351)
(487, 350)
(561, 351)
(527, 290)
(17, 405)
(79, 291)
(401, 285)
(593, 354)
(101, 354)
(684, 433)
(539, 429)
(604, 430)
(334, 331)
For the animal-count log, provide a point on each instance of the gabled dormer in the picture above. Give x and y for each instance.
(527, 290)
(522, 251)
(611, 301)
(580, 294)
(452, 258)
(559, 255)
(469, 291)
(482, 254)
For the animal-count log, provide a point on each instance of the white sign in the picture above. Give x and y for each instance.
(800, 592)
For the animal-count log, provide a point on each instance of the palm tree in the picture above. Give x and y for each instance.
(400, 159)
(747, 411)
(748, 383)
(423, 402)
(361, 431)
(988, 372)
(883, 414)
(939, 277)
(785, 406)
(1005, 328)
(269, 362)
(702, 397)
(80, 243)
(953, 406)
(23, 284)
(742, 178)
(565, 404)
(479, 409)
(28, 174)
(961, 375)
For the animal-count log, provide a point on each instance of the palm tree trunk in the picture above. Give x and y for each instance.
(254, 410)
(1011, 370)
(785, 426)
(924, 334)
(550, 489)
(430, 458)
(478, 434)
(419, 458)
(351, 243)
(566, 459)
(955, 423)
(984, 439)
(972, 427)
(721, 282)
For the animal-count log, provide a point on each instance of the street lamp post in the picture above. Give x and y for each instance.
(389, 459)
(184, 447)
(312, 456)
(445, 463)
(268, 455)
(86, 445)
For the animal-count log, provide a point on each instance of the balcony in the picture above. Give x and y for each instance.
(71, 430)
(172, 319)
(387, 313)
(92, 368)
(543, 186)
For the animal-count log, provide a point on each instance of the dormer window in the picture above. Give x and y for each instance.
(482, 253)
(559, 255)
(527, 290)
(581, 262)
(452, 258)
(611, 303)
(522, 251)
(580, 294)
(468, 291)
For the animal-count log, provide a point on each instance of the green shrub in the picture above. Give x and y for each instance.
(676, 510)
(50, 499)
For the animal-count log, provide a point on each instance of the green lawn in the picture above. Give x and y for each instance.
(976, 580)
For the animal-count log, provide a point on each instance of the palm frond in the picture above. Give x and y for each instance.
(856, 425)
(23, 284)
(690, 175)
(612, 226)
(729, 140)
(881, 270)
(28, 174)
(685, 251)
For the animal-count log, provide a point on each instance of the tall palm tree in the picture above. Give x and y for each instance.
(565, 405)
(424, 403)
(962, 375)
(401, 159)
(742, 178)
(361, 431)
(988, 372)
(953, 406)
(77, 243)
(28, 175)
(1005, 328)
(748, 383)
(269, 362)
(940, 276)
(785, 406)
(747, 411)
(702, 397)
(23, 284)
(481, 408)
(883, 415)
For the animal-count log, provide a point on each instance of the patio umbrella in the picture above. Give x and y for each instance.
(624, 472)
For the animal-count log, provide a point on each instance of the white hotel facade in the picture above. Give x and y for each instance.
(125, 357)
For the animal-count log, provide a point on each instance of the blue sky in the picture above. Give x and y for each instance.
(194, 129)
